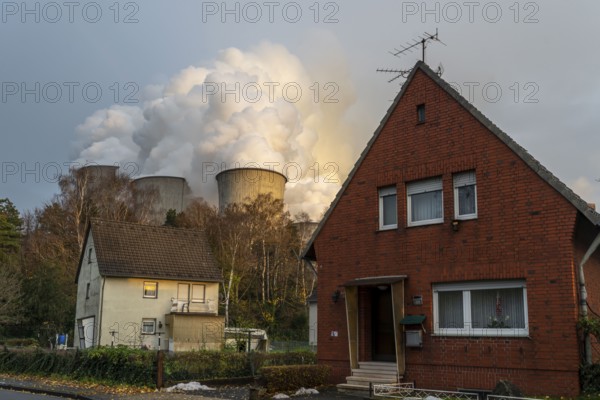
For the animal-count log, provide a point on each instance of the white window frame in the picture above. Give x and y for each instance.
(148, 322)
(201, 287)
(419, 187)
(467, 330)
(460, 180)
(384, 192)
(149, 296)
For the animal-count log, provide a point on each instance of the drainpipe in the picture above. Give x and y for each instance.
(583, 298)
(100, 309)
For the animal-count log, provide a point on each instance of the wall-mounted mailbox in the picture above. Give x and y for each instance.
(414, 338)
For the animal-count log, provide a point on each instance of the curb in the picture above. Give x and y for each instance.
(57, 393)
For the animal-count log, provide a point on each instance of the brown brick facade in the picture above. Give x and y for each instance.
(524, 230)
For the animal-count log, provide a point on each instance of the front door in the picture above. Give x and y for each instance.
(382, 325)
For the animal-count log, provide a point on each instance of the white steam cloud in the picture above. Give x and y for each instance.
(259, 108)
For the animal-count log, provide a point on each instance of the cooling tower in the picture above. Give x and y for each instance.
(98, 173)
(240, 185)
(167, 192)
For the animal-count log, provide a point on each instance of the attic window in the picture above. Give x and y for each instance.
(421, 113)
(150, 290)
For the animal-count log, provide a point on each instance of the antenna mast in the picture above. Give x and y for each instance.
(409, 47)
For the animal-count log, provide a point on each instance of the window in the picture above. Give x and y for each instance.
(497, 308)
(90, 255)
(148, 326)
(424, 202)
(87, 291)
(388, 211)
(465, 195)
(150, 290)
(198, 293)
(421, 113)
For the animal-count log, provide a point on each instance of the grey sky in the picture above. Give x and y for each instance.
(541, 56)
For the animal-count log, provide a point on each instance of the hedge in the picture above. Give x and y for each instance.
(138, 367)
(113, 365)
(293, 377)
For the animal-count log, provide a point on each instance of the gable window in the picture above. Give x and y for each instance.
(150, 290)
(148, 326)
(424, 202)
(465, 195)
(421, 113)
(90, 255)
(388, 211)
(87, 291)
(198, 293)
(493, 308)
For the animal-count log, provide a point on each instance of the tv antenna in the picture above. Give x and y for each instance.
(423, 40)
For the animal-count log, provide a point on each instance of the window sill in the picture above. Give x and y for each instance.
(465, 217)
(503, 335)
(387, 228)
(425, 223)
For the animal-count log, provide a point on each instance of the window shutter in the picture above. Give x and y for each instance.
(464, 179)
(427, 185)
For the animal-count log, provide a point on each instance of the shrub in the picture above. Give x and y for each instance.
(202, 365)
(114, 365)
(590, 378)
(21, 342)
(293, 377)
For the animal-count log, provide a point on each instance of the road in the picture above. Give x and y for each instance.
(10, 395)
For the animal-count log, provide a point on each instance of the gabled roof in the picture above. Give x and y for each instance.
(535, 165)
(131, 250)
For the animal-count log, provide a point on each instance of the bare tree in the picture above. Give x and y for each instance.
(10, 296)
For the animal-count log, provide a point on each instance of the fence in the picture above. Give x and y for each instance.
(406, 391)
(290, 345)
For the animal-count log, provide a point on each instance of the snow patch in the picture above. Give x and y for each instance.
(281, 396)
(304, 392)
(188, 387)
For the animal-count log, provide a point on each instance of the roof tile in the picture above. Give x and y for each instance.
(125, 249)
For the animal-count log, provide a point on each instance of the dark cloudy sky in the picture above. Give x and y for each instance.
(141, 84)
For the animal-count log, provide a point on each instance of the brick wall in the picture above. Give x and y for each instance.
(523, 231)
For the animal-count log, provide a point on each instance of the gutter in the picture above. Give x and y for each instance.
(583, 307)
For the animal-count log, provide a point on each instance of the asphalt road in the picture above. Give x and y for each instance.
(10, 395)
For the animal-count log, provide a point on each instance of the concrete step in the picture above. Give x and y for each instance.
(380, 366)
(358, 390)
(373, 372)
(360, 380)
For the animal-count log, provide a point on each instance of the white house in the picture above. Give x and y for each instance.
(147, 286)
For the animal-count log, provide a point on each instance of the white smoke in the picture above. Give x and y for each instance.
(261, 107)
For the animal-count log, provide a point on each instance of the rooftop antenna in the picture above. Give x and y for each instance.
(409, 47)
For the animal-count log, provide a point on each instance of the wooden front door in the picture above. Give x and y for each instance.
(382, 325)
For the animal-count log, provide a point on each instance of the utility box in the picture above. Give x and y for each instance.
(414, 338)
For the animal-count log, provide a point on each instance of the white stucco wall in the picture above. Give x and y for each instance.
(125, 306)
(88, 307)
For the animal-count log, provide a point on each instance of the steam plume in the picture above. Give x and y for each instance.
(261, 107)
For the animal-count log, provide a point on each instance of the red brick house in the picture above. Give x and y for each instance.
(452, 257)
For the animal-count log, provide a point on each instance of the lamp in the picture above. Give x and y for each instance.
(159, 325)
(455, 225)
(335, 296)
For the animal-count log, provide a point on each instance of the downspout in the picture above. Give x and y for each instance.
(99, 323)
(583, 307)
